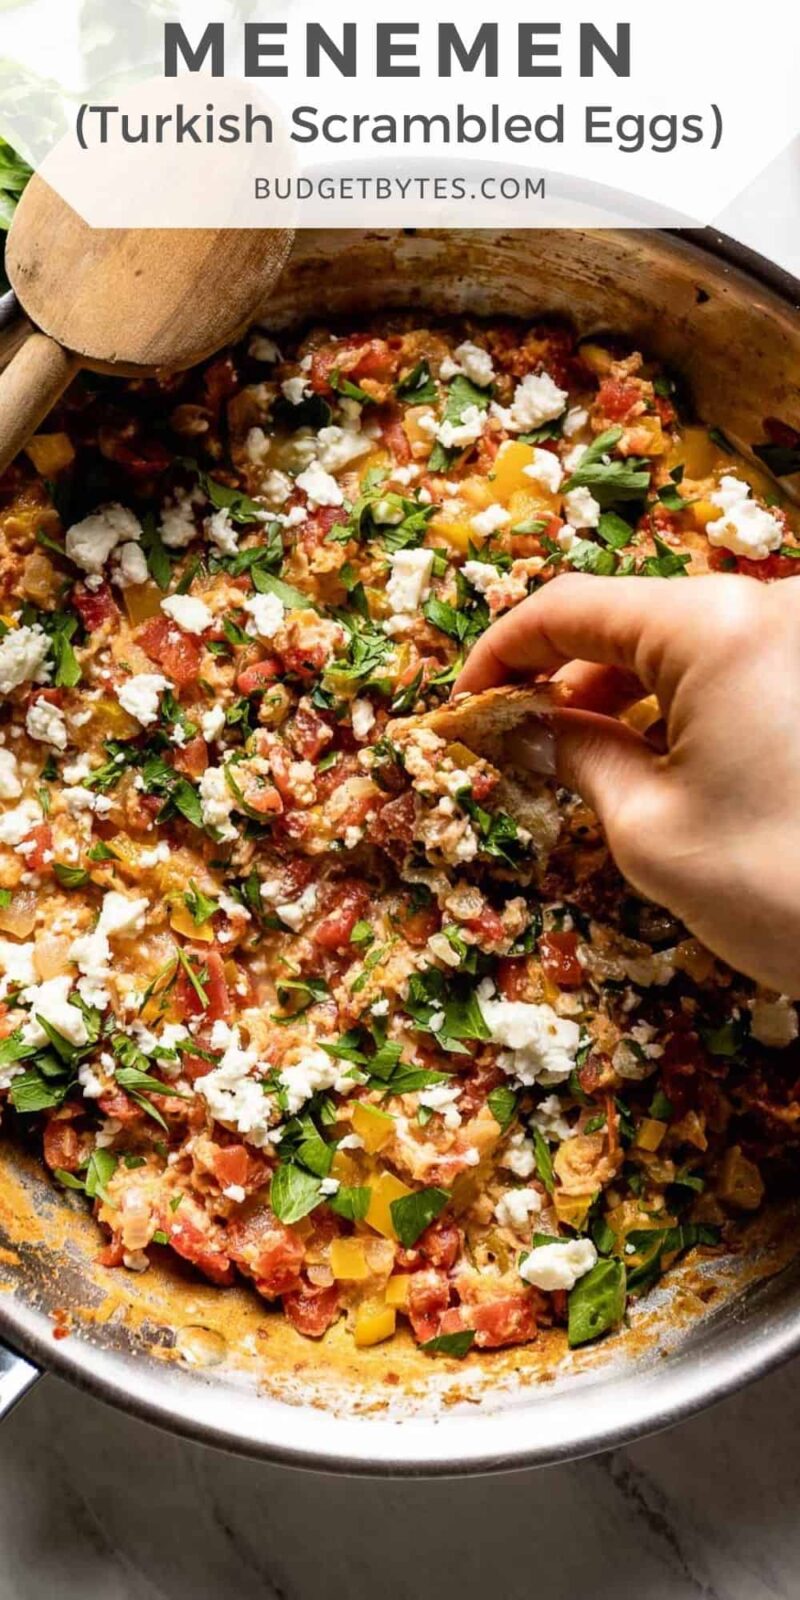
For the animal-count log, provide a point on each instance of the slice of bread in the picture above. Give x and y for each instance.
(493, 725)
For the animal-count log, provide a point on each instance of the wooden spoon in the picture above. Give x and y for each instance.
(123, 301)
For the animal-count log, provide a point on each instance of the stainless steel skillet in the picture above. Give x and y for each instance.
(218, 1366)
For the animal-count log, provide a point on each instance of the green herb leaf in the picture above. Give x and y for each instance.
(413, 1213)
(544, 1164)
(70, 877)
(351, 1203)
(502, 1103)
(667, 563)
(418, 387)
(597, 1303)
(450, 1344)
(198, 904)
(293, 1193)
(158, 562)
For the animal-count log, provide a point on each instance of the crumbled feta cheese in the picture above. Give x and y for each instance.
(362, 718)
(319, 486)
(516, 1207)
(276, 487)
(212, 723)
(582, 510)
(266, 613)
(457, 435)
(16, 824)
(576, 418)
(442, 950)
(475, 363)
(222, 533)
(489, 521)
(550, 1120)
(296, 913)
(45, 722)
(314, 1071)
(16, 964)
(178, 523)
(191, 614)
(154, 857)
(519, 1155)
(295, 390)
(480, 574)
(233, 1096)
(574, 457)
(774, 1022)
(91, 1085)
(23, 652)
(408, 582)
(89, 543)
(558, 1265)
(51, 1001)
(537, 399)
(129, 566)
(216, 803)
(442, 1098)
(545, 469)
(140, 696)
(122, 913)
(10, 786)
(540, 1046)
(744, 527)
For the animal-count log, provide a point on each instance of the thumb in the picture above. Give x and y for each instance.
(605, 762)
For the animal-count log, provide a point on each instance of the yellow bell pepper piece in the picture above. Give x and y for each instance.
(142, 600)
(376, 458)
(397, 1290)
(183, 923)
(113, 721)
(508, 474)
(373, 1126)
(349, 1260)
(374, 1324)
(386, 1189)
(50, 452)
(649, 1134)
(697, 453)
(455, 531)
(345, 1169)
(572, 1209)
(703, 512)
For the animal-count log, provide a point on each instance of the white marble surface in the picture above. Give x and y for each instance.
(94, 1506)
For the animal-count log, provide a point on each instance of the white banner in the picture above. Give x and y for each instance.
(395, 113)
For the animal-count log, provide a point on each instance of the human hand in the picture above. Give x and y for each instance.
(708, 825)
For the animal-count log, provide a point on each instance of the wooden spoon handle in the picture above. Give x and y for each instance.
(29, 388)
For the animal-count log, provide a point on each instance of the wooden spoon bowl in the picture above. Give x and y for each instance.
(124, 301)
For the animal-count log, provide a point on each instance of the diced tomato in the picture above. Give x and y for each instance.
(482, 784)
(496, 1322)
(393, 434)
(308, 734)
(357, 357)
(616, 399)
(195, 1067)
(231, 1165)
(267, 1250)
(178, 654)
(314, 531)
(559, 957)
(305, 662)
(428, 1298)
(394, 823)
(478, 1086)
(418, 924)
(188, 1241)
(769, 570)
(488, 926)
(113, 1254)
(220, 381)
(441, 1244)
(192, 758)
(513, 977)
(116, 1103)
(38, 847)
(256, 678)
(210, 968)
(62, 1146)
(94, 606)
(311, 1310)
(351, 903)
